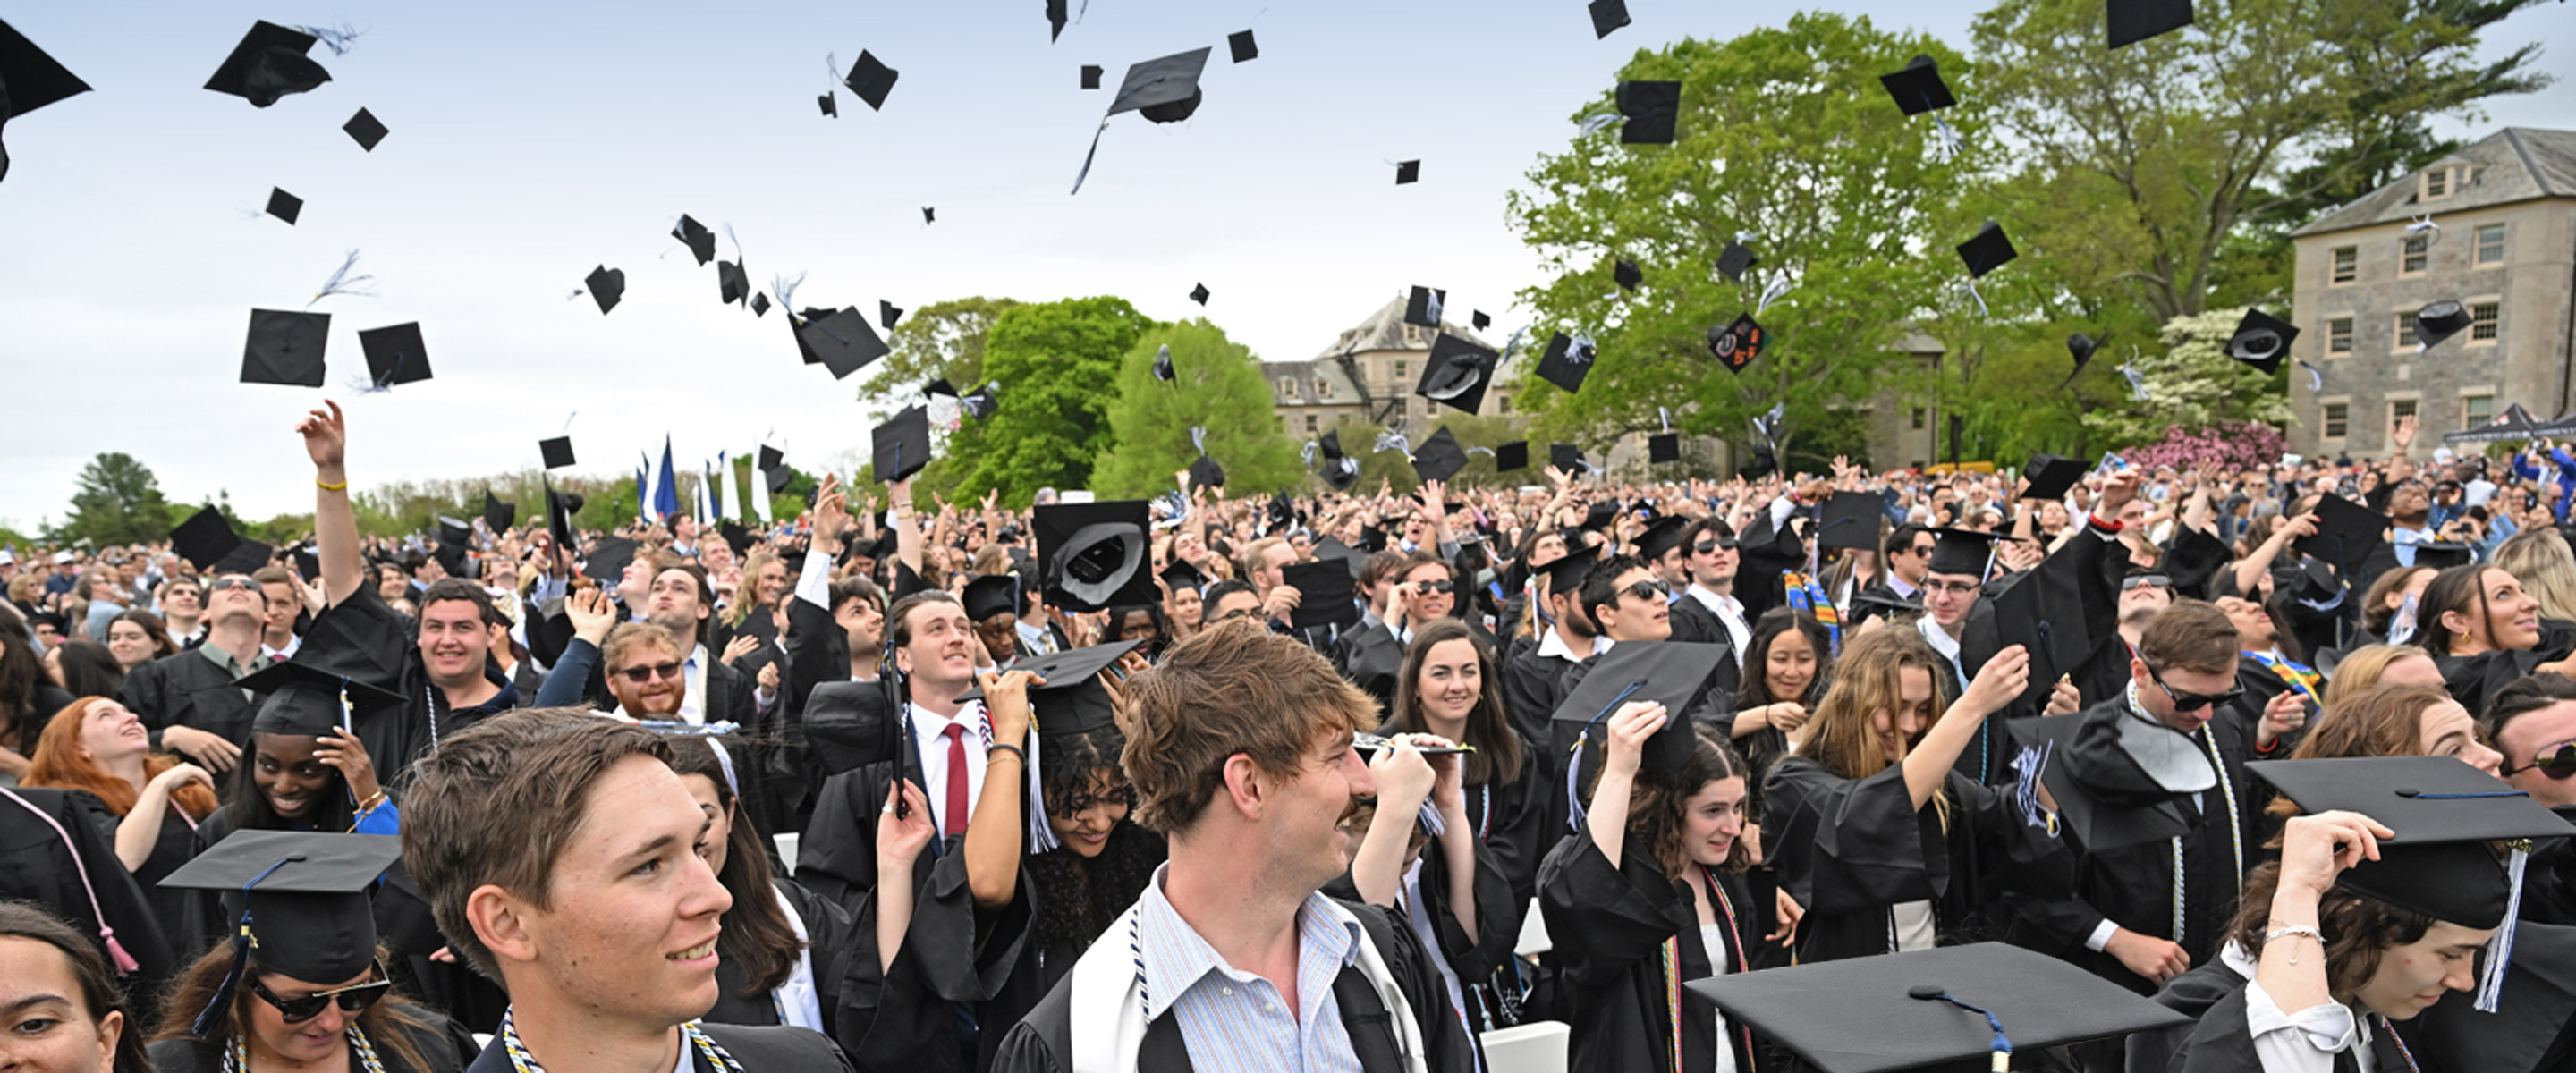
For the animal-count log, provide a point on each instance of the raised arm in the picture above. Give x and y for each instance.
(335, 524)
(995, 837)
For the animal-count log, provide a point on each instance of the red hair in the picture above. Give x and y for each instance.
(57, 763)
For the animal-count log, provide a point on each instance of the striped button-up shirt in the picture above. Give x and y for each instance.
(1234, 1020)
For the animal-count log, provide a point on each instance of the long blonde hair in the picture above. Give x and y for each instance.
(1869, 678)
(2542, 561)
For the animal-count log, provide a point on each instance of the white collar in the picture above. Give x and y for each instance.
(1940, 640)
(1723, 605)
(1550, 644)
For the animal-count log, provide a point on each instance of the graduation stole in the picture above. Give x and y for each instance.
(2301, 678)
(1809, 598)
(1673, 968)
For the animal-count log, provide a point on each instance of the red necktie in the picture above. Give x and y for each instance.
(953, 816)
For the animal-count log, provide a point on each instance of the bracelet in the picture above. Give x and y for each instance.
(1014, 750)
(2282, 933)
(343, 486)
(373, 800)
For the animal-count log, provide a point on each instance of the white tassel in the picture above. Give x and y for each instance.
(2500, 945)
(1771, 292)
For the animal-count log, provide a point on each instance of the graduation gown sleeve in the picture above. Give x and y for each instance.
(1532, 686)
(568, 681)
(42, 865)
(1516, 833)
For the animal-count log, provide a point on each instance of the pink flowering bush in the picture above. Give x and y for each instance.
(2237, 444)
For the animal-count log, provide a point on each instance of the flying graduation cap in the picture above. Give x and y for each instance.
(606, 285)
(1479, 320)
(1564, 364)
(283, 205)
(2261, 340)
(733, 284)
(395, 355)
(1240, 43)
(1408, 171)
(1735, 259)
(557, 451)
(1651, 110)
(700, 241)
(269, 63)
(1737, 344)
(1439, 458)
(29, 80)
(1607, 15)
(2082, 347)
(2438, 321)
(1627, 275)
(1987, 250)
(1511, 456)
(839, 340)
(1422, 307)
(1164, 90)
(888, 313)
(1163, 363)
(1199, 294)
(285, 348)
(1457, 373)
(364, 129)
(1918, 88)
(2132, 21)
(829, 103)
(902, 444)
(870, 79)
(1092, 556)
(497, 515)
(1091, 73)
(205, 538)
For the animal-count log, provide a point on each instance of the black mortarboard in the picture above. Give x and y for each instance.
(2081, 346)
(205, 538)
(1944, 1008)
(1735, 259)
(301, 900)
(283, 205)
(2261, 340)
(1479, 320)
(1439, 458)
(1671, 673)
(1563, 364)
(1511, 456)
(1163, 364)
(1850, 520)
(736, 536)
(732, 283)
(1093, 555)
(29, 80)
(700, 241)
(2442, 555)
(929, 215)
(1565, 456)
(888, 313)
(364, 129)
(2347, 533)
(1240, 43)
(1332, 550)
(557, 452)
(269, 63)
(1408, 171)
(1205, 473)
(303, 699)
(1056, 16)
(992, 594)
(902, 444)
(497, 515)
(1660, 536)
(1918, 88)
(1987, 251)
(778, 478)
(1735, 345)
(939, 388)
(871, 79)
(2444, 812)
(1964, 552)
(1166, 90)
(2132, 21)
(247, 557)
(2051, 477)
(1607, 15)
(1325, 594)
(285, 348)
(1181, 575)
(1341, 473)
(1651, 108)
(1422, 307)
(1866, 603)
(2043, 611)
(608, 558)
(1626, 274)
(759, 304)
(841, 341)
(770, 458)
(2438, 321)
(1072, 700)
(395, 354)
(1091, 76)
(830, 104)
(1663, 447)
(979, 403)
(606, 285)
(560, 508)
(1199, 294)
(1457, 373)
(1565, 573)
(2104, 794)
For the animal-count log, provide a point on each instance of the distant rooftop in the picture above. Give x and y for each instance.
(2510, 165)
(1386, 330)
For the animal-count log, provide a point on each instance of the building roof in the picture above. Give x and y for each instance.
(1320, 382)
(2510, 165)
(1386, 330)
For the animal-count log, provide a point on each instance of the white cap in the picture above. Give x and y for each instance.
(8, 557)
(65, 558)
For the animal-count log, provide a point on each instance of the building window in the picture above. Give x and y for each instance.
(2437, 183)
(1399, 370)
(2339, 335)
(1287, 387)
(1505, 402)
(2347, 264)
(2490, 245)
(2418, 250)
(2405, 331)
(1310, 422)
(2476, 410)
(2399, 410)
(2482, 322)
(2338, 419)
(1918, 418)
(1323, 388)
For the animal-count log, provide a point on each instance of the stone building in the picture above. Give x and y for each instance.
(2505, 250)
(1368, 374)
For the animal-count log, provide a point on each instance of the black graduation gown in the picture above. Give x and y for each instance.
(827, 931)
(1371, 657)
(1533, 685)
(1692, 621)
(37, 864)
(1043, 1041)
(2534, 1027)
(2222, 1043)
(441, 1043)
(188, 917)
(2191, 993)
(1849, 849)
(1609, 927)
(754, 1049)
(185, 689)
(2473, 679)
(1132, 853)
(363, 639)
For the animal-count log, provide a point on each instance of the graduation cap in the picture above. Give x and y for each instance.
(299, 897)
(830, 104)
(2444, 812)
(2096, 764)
(1987, 251)
(769, 458)
(2442, 554)
(902, 444)
(305, 700)
(1850, 520)
(1962, 552)
(1199, 294)
(1565, 456)
(29, 80)
(1661, 536)
(1671, 673)
(2051, 477)
(2261, 340)
(2347, 533)
(395, 354)
(990, 595)
(1457, 373)
(759, 304)
(732, 283)
(1325, 593)
(1651, 109)
(1341, 473)
(1240, 43)
(700, 241)
(364, 129)
(1205, 473)
(283, 205)
(1511, 456)
(2438, 321)
(1663, 447)
(285, 348)
(1867, 603)
(1091, 76)
(205, 538)
(1949, 1007)
(1181, 575)
(1164, 90)
(840, 341)
(1163, 363)
(1737, 344)
(1564, 364)
(557, 451)
(871, 79)
(1056, 16)
(1071, 701)
(778, 478)
(608, 558)
(1626, 274)
(1735, 259)
(1092, 556)
(1607, 15)
(1478, 319)
(560, 508)
(1439, 458)
(929, 215)
(736, 536)
(269, 63)
(497, 515)
(606, 285)
(2132, 21)
(1422, 307)
(1918, 88)
(1408, 171)
(1565, 573)
(888, 313)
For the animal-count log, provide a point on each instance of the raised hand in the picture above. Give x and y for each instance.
(326, 437)
(342, 749)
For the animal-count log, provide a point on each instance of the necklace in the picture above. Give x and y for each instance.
(523, 1062)
(237, 1057)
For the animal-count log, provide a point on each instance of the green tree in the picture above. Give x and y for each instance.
(116, 500)
(940, 341)
(1784, 132)
(1216, 386)
(2194, 384)
(1055, 362)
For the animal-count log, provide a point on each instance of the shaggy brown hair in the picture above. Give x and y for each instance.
(1234, 689)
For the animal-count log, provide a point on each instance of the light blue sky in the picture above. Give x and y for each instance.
(533, 141)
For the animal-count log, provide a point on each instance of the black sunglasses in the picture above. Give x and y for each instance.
(649, 672)
(2192, 702)
(2145, 581)
(354, 998)
(1646, 590)
(1712, 547)
(1427, 587)
(2559, 764)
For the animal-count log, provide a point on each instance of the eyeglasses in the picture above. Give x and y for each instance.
(1953, 588)
(1645, 590)
(234, 582)
(1237, 613)
(1712, 547)
(2145, 581)
(1428, 587)
(2192, 702)
(354, 998)
(2557, 762)
(641, 675)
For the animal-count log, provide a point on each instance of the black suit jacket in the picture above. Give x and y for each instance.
(755, 1048)
(1693, 622)
(187, 689)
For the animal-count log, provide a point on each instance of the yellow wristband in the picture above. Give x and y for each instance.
(343, 486)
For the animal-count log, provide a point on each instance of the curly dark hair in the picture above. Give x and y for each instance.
(1077, 898)
(2357, 930)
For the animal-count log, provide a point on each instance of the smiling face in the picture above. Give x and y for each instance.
(45, 1025)
(941, 651)
(1789, 667)
(131, 645)
(1712, 820)
(1302, 816)
(182, 600)
(1184, 607)
(772, 582)
(1448, 685)
(2412, 977)
(1947, 598)
(1086, 831)
(453, 642)
(303, 1042)
(631, 930)
(1423, 600)
(1898, 729)
(664, 683)
(284, 772)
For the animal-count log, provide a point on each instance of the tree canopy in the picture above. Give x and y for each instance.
(1055, 362)
(116, 500)
(1216, 386)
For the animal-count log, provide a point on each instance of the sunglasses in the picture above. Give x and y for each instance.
(641, 675)
(2192, 702)
(236, 582)
(2145, 581)
(352, 999)
(1645, 590)
(1429, 587)
(1712, 547)
(2557, 762)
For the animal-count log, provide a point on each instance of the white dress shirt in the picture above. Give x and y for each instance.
(1730, 611)
(930, 735)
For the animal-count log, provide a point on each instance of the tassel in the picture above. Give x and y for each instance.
(2001, 1045)
(1946, 144)
(335, 38)
(1574, 764)
(341, 282)
(1771, 292)
(1596, 122)
(1982, 311)
(2500, 945)
(1041, 833)
(125, 963)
